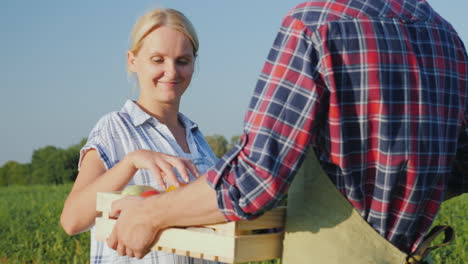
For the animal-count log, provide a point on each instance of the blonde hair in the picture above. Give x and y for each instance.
(162, 17)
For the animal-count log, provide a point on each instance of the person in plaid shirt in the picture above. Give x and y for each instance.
(378, 89)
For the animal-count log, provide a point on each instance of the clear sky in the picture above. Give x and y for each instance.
(63, 64)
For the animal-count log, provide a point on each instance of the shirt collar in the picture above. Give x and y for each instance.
(405, 9)
(136, 114)
(188, 124)
(139, 117)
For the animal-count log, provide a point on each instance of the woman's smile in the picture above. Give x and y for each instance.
(170, 84)
(164, 66)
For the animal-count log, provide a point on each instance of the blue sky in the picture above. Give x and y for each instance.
(62, 64)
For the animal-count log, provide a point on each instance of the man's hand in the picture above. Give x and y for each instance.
(141, 219)
(133, 234)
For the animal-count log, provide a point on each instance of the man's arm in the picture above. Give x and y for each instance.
(289, 100)
(195, 204)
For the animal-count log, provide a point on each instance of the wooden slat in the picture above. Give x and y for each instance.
(271, 219)
(188, 240)
(224, 228)
(103, 228)
(225, 242)
(172, 240)
(104, 200)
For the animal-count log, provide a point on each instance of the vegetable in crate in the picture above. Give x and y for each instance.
(136, 190)
(145, 190)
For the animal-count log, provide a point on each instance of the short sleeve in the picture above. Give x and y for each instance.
(97, 141)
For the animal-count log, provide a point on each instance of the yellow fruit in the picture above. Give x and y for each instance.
(171, 188)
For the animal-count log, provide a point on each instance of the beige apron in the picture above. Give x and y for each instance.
(322, 227)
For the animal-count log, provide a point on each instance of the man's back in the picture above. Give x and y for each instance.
(379, 89)
(395, 76)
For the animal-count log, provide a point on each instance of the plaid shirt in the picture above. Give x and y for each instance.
(379, 90)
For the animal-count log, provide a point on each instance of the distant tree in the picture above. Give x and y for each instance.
(13, 172)
(45, 165)
(234, 140)
(3, 176)
(49, 165)
(218, 143)
(52, 165)
(71, 162)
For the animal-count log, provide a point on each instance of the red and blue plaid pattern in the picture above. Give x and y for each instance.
(379, 90)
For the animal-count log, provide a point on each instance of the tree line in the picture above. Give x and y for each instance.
(53, 165)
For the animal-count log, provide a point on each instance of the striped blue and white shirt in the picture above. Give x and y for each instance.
(130, 129)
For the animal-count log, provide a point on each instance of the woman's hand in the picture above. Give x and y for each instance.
(161, 165)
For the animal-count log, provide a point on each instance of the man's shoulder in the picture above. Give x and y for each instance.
(319, 12)
(314, 13)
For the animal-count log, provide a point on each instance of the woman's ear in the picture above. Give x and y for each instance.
(131, 61)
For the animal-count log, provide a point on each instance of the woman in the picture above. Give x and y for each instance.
(147, 134)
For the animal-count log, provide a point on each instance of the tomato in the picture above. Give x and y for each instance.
(149, 193)
(136, 189)
(152, 192)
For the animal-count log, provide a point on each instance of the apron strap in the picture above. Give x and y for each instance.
(424, 248)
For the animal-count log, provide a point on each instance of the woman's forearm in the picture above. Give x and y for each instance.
(79, 209)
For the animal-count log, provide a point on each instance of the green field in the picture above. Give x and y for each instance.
(30, 231)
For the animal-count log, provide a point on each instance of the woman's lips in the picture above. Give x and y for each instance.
(170, 84)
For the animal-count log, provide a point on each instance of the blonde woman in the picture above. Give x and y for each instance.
(149, 133)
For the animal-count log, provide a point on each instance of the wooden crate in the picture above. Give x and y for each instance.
(233, 242)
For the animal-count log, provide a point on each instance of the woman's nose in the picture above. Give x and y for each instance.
(170, 69)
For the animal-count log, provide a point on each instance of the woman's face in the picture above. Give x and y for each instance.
(164, 65)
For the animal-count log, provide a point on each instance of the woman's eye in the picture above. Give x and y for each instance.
(157, 60)
(183, 62)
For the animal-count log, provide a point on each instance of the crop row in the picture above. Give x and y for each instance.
(30, 230)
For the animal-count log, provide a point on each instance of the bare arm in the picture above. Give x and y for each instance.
(79, 210)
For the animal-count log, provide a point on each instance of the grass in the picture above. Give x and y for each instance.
(30, 230)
